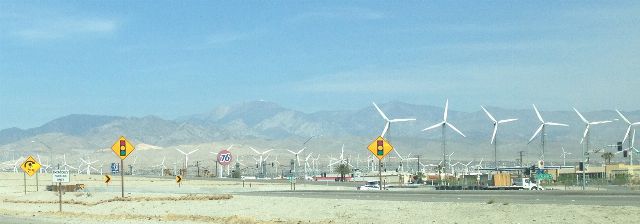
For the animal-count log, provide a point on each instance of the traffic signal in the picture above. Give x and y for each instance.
(625, 153)
(619, 146)
(581, 166)
(527, 171)
(380, 148)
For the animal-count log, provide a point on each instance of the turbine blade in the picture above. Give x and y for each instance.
(267, 151)
(493, 136)
(488, 114)
(623, 117)
(402, 120)
(446, 110)
(180, 151)
(538, 113)
(256, 151)
(230, 147)
(380, 111)
(584, 135)
(292, 152)
(536, 133)
(396, 151)
(600, 122)
(434, 126)
(556, 124)
(455, 129)
(307, 156)
(189, 152)
(386, 128)
(303, 148)
(507, 120)
(581, 117)
(627, 134)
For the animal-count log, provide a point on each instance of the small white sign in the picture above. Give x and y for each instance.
(61, 176)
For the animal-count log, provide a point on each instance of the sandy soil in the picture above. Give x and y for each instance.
(151, 200)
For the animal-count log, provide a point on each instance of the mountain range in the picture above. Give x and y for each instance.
(261, 121)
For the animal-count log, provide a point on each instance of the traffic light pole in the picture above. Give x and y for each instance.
(122, 176)
(380, 172)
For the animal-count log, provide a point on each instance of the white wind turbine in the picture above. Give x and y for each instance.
(341, 160)
(541, 129)
(161, 166)
(587, 134)
(564, 156)
(466, 166)
(186, 157)
(389, 121)
(261, 154)
(133, 166)
(297, 155)
(626, 136)
(444, 124)
(88, 166)
(494, 140)
(45, 167)
(629, 151)
(306, 164)
(64, 163)
(403, 159)
(314, 163)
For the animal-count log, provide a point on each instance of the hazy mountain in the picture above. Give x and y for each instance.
(256, 120)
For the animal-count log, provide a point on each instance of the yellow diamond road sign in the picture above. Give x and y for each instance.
(122, 148)
(380, 148)
(30, 166)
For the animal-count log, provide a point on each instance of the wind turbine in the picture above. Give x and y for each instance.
(389, 121)
(89, 167)
(541, 129)
(45, 167)
(162, 166)
(494, 141)
(629, 151)
(306, 164)
(297, 154)
(341, 160)
(186, 158)
(587, 134)
(444, 124)
(64, 163)
(132, 166)
(467, 167)
(403, 159)
(314, 163)
(564, 156)
(628, 128)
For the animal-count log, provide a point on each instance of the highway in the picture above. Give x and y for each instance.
(512, 197)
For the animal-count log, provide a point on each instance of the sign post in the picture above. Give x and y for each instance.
(30, 166)
(60, 176)
(122, 148)
(380, 148)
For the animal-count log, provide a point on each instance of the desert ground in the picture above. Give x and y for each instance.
(161, 200)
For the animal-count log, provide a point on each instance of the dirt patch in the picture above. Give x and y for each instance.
(132, 199)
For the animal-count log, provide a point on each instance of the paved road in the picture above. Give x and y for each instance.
(514, 197)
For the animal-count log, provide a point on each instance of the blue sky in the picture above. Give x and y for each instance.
(175, 58)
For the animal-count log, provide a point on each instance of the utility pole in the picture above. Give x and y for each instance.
(198, 168)
(521, 155)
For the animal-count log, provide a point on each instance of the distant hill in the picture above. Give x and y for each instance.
(257, 120)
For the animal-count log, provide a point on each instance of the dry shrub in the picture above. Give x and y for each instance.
(132, 199)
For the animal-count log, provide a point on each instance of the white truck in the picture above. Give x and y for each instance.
(525, 184)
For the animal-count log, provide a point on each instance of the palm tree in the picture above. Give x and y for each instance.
(343, 169)
(607, 156)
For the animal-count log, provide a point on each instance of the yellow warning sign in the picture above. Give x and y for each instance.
(30, 166)
(380, 148)
(122, 148)
(178, 179)
(107, 179)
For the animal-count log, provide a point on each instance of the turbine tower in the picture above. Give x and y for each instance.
(626, 136)
(564, 156)
(297, 155)
(186, 159)
(541, 129)
(585, 139)
(444, 124)
(389, 121)
(493, 136)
